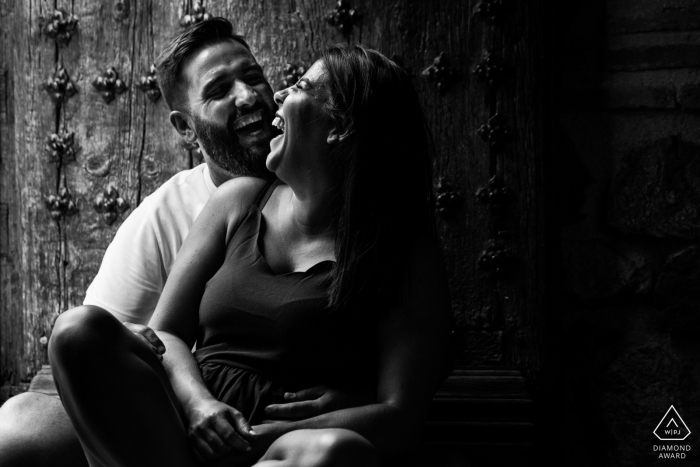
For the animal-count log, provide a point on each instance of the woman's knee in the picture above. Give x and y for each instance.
(329, 447)
(339, 447)
(80, 331)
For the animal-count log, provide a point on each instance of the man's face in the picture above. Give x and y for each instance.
(232, 107)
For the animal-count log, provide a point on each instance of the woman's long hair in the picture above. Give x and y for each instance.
(386, 165)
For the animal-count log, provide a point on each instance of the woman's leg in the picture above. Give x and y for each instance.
(116, 393)
(333, 447)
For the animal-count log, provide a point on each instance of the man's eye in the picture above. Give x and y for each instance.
(216, 93)
(255, 79)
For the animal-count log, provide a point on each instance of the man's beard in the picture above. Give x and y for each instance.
(223, 147)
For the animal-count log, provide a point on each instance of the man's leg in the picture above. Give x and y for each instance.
(116, 392)
(35, 431)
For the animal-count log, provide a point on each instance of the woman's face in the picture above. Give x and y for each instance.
(301, 152)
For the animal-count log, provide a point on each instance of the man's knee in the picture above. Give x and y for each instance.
(34, 430)
(15, 434)
(80, 331)
(16, 449)
(339, 447)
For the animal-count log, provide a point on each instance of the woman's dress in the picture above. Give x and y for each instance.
(261, 334)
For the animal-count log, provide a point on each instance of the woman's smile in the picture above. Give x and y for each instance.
(279, 123)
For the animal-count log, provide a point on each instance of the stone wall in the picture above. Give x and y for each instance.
(625, 167)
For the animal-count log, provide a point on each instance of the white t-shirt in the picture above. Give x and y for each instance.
(138, 261)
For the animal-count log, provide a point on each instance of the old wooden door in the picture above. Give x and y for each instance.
(475, 65)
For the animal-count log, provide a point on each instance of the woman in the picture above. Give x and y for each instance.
(331, 275)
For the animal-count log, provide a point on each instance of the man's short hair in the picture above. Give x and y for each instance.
(169, 62)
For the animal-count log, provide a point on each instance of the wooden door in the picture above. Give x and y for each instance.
(471, 60)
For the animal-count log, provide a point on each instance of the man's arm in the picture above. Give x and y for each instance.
(131, 275)
(316, 400)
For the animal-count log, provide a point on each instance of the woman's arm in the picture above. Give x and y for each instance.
(201, 255)
(213, 426)
(412, 347)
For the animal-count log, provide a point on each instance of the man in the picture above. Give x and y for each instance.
(221, 101)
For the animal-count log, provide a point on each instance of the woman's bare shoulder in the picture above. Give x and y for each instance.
(230, 202)
(240, 189)
(236, 194)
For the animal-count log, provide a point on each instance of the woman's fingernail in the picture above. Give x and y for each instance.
(248, 449)
(289, 395)
(251, 431)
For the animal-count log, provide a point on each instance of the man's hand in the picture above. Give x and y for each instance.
(314, 401)
(216, 429)
(149, 336)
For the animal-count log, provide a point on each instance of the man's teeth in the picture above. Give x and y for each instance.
(248, 119)
(279, 123)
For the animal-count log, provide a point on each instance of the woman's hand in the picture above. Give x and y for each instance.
(216, 429)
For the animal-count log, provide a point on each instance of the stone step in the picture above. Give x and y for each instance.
(483, 412)
(43, 382)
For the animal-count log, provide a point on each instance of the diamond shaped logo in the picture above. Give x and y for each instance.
(672, 427)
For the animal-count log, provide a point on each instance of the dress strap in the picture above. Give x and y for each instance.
(266, 192)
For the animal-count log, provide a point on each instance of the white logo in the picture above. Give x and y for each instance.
(672, 427)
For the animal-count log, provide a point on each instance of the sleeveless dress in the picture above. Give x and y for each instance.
(261, 334)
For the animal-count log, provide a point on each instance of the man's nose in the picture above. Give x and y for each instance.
(280, 96)
(245, 96)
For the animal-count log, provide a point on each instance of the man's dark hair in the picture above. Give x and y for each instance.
(169, 62)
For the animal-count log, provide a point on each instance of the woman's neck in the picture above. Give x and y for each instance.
(313, 213)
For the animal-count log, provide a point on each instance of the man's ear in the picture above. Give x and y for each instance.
(184, 125)
(337, 135)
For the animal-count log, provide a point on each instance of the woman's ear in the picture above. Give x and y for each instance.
(183, 124)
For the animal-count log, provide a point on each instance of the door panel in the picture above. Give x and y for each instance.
(128, 145)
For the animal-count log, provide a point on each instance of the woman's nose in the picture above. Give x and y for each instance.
(281, 95)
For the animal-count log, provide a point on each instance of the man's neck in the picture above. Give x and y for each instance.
(218, 175)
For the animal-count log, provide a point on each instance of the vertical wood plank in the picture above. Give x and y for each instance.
(522, 101)
(30, 272)
(10, 323)
(128, 143)
(161, 155)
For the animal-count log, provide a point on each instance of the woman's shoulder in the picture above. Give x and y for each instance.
(232, 200)
(241, 188)
(238, 193)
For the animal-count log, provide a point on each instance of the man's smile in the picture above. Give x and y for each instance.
(248, 119)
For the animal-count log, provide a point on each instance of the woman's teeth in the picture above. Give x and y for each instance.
(248, 119)
(279, 123)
